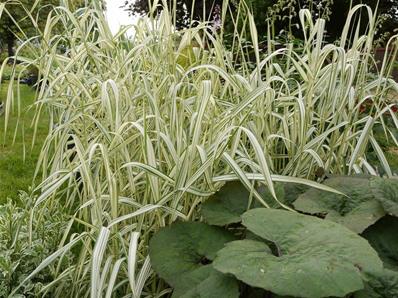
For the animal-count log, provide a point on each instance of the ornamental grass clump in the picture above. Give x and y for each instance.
(144, 129)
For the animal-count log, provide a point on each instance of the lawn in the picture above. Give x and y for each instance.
(18, 158)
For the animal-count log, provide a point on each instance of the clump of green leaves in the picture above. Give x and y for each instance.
(21, 252)
(185, 262)
(312, 257)
(282, 252)
(366, 199)
(382, 236)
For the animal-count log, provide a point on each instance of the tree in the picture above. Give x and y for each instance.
(387, 10)
(17, 19)
(283, 13)
(185, 10)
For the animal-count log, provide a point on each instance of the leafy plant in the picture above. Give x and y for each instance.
(312, 257)
(227, 205)
(140, 137)
(382, 236)
(185, 262)
(366, 199)
(281, 252)
(299, 256)
(386, 192)
(380, 285)
(357, 208)
(20, 251)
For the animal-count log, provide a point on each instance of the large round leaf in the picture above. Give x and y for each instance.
(313, 257)
(386, 192)
(383, 236)
(357, 210)
(182, 254)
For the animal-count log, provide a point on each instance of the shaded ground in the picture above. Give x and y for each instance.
(18, 159)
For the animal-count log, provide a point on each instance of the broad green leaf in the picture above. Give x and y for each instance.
(359, 218)
(232, 200)
(182, 254)
(312, 257)
(357, 210)
(227, 205)
(292, 192)
(286, 193)
(269, 199)
(386, 192)
(384, 239)
(206, 282)
(381, 285)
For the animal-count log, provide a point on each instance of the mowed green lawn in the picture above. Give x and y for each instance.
(16, 168)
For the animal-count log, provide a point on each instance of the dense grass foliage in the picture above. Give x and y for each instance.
(18, 158)
(143, 130)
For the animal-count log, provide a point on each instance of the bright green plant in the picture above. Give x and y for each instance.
(140, 138)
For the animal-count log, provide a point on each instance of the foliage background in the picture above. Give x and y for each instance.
(282, 13)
